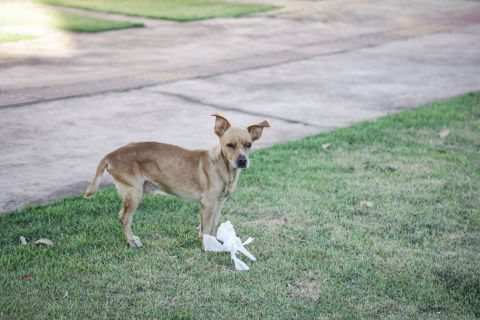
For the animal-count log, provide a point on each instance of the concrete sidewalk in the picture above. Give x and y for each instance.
(314, 67)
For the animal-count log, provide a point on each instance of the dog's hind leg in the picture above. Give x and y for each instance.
(131, 200)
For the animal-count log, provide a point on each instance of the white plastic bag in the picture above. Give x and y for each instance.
(230, 243)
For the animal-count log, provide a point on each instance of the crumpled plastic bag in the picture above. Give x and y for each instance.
(230, 243)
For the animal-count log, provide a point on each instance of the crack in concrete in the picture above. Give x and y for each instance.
(190, 99)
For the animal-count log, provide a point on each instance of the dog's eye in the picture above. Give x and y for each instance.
(248, 145)
(231, 145)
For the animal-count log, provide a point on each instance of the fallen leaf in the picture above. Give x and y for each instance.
(290, 286)
(26, 277)
(45, 242)
(392, 168)
(444, 133)
(366, 204)
(23, 240)
(326, 146)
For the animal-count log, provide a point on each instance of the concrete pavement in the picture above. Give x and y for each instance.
(313, 67)
(61, 65)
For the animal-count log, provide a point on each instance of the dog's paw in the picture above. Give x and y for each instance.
(135, 242)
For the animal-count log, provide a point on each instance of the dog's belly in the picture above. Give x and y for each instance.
(154, 188)
(151, 189)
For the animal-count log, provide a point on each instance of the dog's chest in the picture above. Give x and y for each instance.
(231, 185)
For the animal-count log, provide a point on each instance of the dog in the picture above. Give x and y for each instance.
(204, 176)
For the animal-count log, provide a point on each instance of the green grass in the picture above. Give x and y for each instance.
(179, 10)
(35, 21)
(413, 255)
(79, 23)
(14, 37)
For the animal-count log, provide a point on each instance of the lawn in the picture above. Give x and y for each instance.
(413, 255)
(179, 10)
(26, 21)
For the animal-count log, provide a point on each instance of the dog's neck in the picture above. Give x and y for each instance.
(217, 156)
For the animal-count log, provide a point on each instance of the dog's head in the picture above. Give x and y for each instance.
(236, 143)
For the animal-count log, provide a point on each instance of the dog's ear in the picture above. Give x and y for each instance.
(221, 124)
(257, 129)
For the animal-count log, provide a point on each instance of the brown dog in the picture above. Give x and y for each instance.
(204, 176)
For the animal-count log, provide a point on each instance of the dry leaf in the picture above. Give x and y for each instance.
(444, 133)
(26, 277)
(326, 146)
(366, 204)
(45, 242)
(392, 168)
(23, 240)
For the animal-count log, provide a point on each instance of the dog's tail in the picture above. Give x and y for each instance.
(92, 188)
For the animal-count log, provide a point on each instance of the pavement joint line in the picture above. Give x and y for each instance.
(24, 97)
(191, 99)
(149, 81)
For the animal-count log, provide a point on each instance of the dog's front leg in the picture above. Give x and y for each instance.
(206, 216)
(216, 216)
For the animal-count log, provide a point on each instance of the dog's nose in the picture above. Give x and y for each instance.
(242, 161)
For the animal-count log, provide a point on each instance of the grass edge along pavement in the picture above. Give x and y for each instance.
(413, 254)
(53, 20)
(182, 11)
(80, 23)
